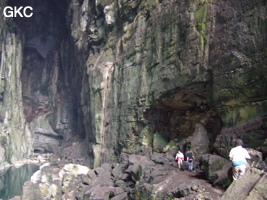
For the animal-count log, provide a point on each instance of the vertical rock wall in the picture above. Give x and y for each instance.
(40, 83)
(142, 56)
(238, 57)
(157, 68)
(15, 136)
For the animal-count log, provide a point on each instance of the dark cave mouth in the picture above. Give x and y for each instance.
(176, 114)
(48, 50)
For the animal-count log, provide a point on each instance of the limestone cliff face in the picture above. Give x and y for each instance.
(15, 135)
(156, 68)
(40, 84)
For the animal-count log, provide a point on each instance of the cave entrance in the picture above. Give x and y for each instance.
(176, 114)
(51, 74)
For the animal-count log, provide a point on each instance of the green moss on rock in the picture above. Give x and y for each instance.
(160, 141)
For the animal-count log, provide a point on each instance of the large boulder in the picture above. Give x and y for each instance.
(122, 196)
(118, 171)
(198, 143)
(100, 192)
(132, 159)
(259, 191)
(74, 169)
(160, 141)
(256, 159)
(161, 158)
(216, 169)
(32, 191)
(137, 166)
(240, 189)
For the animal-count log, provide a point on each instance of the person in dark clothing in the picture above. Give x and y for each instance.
(190, 160)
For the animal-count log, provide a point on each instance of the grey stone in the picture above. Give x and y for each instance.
(102, 181)
(122, 196)
(106, 166)
(101, 192)
(241, 188)
(216, 169)
(91, 174)
(259, 191)
(118, 170)
(160, 158)
(102, 172)
(121, 184)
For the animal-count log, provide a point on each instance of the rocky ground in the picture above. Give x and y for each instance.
(135, 177)
(147, 175)
(142, 177)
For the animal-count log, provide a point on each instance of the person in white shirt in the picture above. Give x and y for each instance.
(179, 158)
(239, 155)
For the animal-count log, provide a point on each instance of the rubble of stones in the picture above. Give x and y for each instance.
(134, 177)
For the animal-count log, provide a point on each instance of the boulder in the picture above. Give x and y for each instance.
(118, 191)
(74, 169)
(144, 191)
(121, 184)
(135, 171)
(259, 191)
(91, 174)
(85, 179)
(68, 183)
(122, 196)
(32, 191)
(106, 166)
(103, 172)
(161, 158)
(200, 141)
(102, 181)
(36, 176)
(138, 165)
(241, 188)
(216, 169)
(100, 192)
(144, 161)
(117, 171)
(256, 159)
(160, 172)
(160, 141)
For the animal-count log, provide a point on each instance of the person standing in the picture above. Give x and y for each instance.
(239, 155)
(179, 158)
(190, 160)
